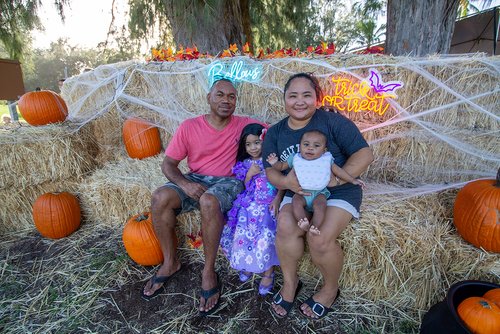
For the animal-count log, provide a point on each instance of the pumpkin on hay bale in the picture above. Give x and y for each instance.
(476, 213)
(141, 139)
(140, 240)
(42, 107)
(56, 215)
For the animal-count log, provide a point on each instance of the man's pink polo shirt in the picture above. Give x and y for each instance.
(209, 151)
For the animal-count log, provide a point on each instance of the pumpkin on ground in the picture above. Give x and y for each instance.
(141, 139)
(476, 213)
(42, 107)
(480, 315)
(56, 215)
(493, 296)
(140, 240)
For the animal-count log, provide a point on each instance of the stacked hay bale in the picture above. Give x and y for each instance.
(120, 189)
(442, 130)
(36, 160)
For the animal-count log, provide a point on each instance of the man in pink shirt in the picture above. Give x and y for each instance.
(209, 142)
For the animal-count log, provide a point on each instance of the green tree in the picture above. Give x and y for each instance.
(336, 23)
(44, 67)
(366, 13)
(212, 25)
(369, 33)
(280, 24)
(209, 24)
(17, 19)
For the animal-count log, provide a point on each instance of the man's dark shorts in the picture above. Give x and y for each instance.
(225, 189)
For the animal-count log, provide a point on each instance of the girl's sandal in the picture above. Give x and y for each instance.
(244, 275)
(264, 290)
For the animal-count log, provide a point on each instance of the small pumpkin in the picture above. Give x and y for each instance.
(480, 315)
(493, 296)
(42, 107)
(57, 214)
(140, 240)
(476, 213)
(141, 139)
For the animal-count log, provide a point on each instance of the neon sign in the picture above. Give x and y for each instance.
(237, 71)
(369, 94)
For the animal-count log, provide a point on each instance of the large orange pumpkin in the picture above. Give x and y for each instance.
(56, 215)
(477, 213)
(42, 107)
(493, 296)
(141, 139)
(140, 240)
(479, 315)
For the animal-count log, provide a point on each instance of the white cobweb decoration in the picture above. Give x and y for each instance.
(442, 131)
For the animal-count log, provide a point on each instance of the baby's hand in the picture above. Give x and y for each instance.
(359, 183)
(272, 158)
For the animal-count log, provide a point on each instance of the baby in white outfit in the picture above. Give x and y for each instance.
(314, 167)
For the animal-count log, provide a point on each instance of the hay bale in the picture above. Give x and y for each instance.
(50, 153)
(415, 158)
(107, 130)
(17, 203)
(407, 253)
(121, 189)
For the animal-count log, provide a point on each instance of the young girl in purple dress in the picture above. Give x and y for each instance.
(248, 237)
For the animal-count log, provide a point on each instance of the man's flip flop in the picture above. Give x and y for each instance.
(155, 280)
(286, 305)
(319, 309)
(206, 294)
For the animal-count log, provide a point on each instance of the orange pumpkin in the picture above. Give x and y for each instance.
(493, 296)
(141, 139)
(56, 215)
(479, 315)
(140, 240)
(477, 213)
(42, 107)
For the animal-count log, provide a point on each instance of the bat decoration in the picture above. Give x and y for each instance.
(379, 86)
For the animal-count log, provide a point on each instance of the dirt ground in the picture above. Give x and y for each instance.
(86, 283)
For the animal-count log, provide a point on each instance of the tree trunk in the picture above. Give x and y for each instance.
(211, 27)
(247, 23)
(420, 27)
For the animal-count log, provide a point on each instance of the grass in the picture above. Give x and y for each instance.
(86, 283)
(4, 110)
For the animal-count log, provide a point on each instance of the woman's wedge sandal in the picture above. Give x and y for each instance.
(287, 306)
(318, 309)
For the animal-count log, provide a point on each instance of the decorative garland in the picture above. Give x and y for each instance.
(323, 49)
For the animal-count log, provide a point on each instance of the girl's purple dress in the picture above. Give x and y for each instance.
(248, 237)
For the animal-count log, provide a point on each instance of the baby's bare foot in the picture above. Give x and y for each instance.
(314, 230)
(304, 224)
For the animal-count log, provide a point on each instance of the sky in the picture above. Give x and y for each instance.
(87, 22)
